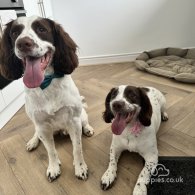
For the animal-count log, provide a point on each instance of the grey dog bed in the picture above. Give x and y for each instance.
(175, 63)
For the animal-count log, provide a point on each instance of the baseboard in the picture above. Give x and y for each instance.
(11, 109)
(104, 59)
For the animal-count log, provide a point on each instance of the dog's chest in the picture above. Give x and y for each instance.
(127, 140)
(131, 141)
(135, 143)
(61, 95)
(61, 119)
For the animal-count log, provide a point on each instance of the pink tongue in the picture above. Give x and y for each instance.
(33, 75)
(118, 124)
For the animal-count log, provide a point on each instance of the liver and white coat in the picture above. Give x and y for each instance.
(35, 47)
(136, 114)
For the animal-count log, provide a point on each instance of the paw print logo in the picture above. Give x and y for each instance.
(161, 171)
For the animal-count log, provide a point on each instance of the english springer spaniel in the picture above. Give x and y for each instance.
(44, 54)
(136, 114)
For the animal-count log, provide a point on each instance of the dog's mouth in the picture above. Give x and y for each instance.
(121, 120)
(34, 69)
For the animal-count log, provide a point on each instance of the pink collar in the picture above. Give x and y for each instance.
(136, 129)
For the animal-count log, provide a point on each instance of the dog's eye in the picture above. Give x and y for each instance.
(114, 93)
(15, 31)
(15, 34)
(132, 95)
(41, 29)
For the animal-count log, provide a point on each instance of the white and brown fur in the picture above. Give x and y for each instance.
(59, 106)
(148, 105)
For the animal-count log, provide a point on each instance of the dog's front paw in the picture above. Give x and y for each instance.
(32, 143)
(81, 171)
(107, 179)
(140, 189)
(53, 171)
(88, 130)
(164, 116)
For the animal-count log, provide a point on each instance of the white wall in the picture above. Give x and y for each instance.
(120, 27)
(32, 8)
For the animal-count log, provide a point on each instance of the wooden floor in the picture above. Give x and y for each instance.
(24, 173)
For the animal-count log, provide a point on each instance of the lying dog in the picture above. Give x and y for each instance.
(45, 55)
(136, 114)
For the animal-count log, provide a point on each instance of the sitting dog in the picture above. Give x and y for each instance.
(44, 54)
(136, 114)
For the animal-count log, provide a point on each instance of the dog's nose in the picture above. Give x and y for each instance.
(118, 105)
(25, 44)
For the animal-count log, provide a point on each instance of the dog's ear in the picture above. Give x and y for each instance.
(107, 114)
(11, 66)
(146, 108)
(65, 59)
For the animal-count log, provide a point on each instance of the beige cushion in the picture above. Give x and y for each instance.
(176, 51)
(141, 65)
(190, 54)
(143, 56)
(185, 77)
(157, 52)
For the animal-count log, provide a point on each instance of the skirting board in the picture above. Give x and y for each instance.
(104, 59)
(11, 109)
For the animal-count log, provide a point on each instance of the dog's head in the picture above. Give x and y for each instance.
(33, 46)
(125, 104)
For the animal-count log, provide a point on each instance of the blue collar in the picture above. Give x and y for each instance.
(48, 79)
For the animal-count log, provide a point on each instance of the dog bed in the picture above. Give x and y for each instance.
(175, 63)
